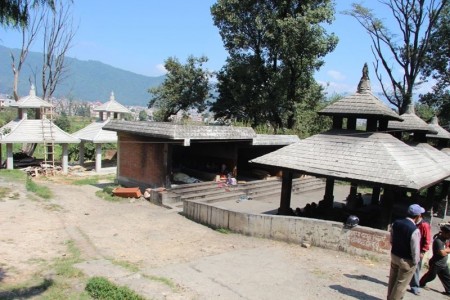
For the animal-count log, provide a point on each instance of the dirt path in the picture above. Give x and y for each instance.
(163, 255)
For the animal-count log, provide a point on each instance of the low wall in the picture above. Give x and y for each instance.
(326, 234)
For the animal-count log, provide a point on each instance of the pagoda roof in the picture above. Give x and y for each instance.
(31, 101)
(411, 122)
(112, 106)
(441, 133)
(369, 157)
(274, 139)
(362, 104)
(94, 133)
(31, 131)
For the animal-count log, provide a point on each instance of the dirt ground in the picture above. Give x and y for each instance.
(162, 255)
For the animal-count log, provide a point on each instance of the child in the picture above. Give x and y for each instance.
(438, 262)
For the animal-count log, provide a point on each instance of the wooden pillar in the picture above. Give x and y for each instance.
(431, 192)
(167, 164)
(9, 156)
(98, 157)
(286, 189)
(337, 122)
(351, 123)
(371, 125)
(81, 153)
(65, 158)
(386, 210)
(329, 196)
(444, 196)
(382, 125)
(351, 199)
(375, 195)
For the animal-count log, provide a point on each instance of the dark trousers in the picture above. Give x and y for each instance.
(442, 272)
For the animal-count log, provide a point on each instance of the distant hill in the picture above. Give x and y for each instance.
(86, 81)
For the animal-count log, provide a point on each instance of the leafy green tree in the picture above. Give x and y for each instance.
(143, 115)
(274, 49)
(63, 122)
(437, 66)
(186, 86)
(16, 12)
(403, 47)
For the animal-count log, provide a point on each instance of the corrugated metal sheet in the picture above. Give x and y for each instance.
(274, 139)
(181, 132)
(351, 155)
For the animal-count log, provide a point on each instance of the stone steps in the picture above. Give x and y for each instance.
(215, 192)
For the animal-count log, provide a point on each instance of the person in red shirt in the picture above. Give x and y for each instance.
(425, 242)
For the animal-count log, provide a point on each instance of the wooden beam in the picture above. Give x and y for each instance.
(286, 189)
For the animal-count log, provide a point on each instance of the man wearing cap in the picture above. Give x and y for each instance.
(405, 252)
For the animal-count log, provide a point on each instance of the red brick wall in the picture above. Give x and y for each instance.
(142, 161)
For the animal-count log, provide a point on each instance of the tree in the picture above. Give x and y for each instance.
(437, 67)
(143, 115)
(415, 20)
(15, 13)
(58, 35)
(29, 32)
(274, 49)
(185, 86)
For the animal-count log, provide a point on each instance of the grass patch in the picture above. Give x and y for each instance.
(223, 230)
(13, 175)
(60, 286)
(163, 280)
(86, 181)
(126, 265)
(107, 194)
(4, 191)
(40, 190)
(64, 266)
(102, 288)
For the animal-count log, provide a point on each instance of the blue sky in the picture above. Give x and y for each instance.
(138, 35)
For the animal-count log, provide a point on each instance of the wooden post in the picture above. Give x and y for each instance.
(375, 195)
(329, 197)
(81, 153)
(9, 156)
(286, 189)
(337, 122)
(351, 123)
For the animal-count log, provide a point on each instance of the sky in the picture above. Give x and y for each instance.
(138, 35)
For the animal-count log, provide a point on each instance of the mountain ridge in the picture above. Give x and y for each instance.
(87, 80)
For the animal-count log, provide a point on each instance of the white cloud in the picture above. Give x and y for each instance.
(160, 69)
(336, 75)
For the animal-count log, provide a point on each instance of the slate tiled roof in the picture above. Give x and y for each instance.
(112, 106)
(274, 139)
(411, 122)
(434, 154)
(94, 133)
(30, 131)
(181, 132)
(374, 157)
(31, 101)
(362, 104)
(446, 151)
(441, 132)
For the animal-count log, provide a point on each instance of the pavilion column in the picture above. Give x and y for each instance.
(375, 195)
(337, 122)
(372, 125)
(81, 153)
(431, 192)
(329, 197)
(351, 199)
(382, 125)
(351, 123)
(387, 205)
(98, 157)
(9, 157)
(286, 189)
(444, 196)
(65, 158)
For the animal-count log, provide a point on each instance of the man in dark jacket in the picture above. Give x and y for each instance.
(425, 242)
(405, 252)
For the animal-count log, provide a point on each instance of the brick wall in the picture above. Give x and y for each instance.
(141, 161)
